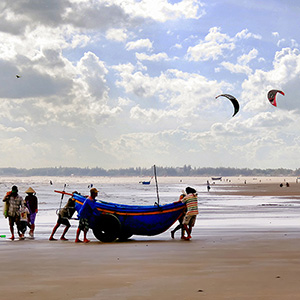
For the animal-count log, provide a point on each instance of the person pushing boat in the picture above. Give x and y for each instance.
(84, 215)
(192, 211)
(64, 215)
(180, 220)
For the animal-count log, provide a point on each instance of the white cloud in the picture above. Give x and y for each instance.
(153, 57)
(135, 146)
(237, 68)
(246, 58)
(12, 129)
(215, 44)
(245, 34)
(162, 10)
(212, 47)
(79, 40)
(139, 44)
(81, 85)
(242, 65)
(283, 76)
(186, 94)
(280, 42)
(294, 43)
(151, 115)
(178, 46)
(119, 35)
(93, 73)
(124, 101)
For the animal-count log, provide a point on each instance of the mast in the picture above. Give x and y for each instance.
(154, 167)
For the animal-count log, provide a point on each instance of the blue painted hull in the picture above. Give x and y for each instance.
(135, 219)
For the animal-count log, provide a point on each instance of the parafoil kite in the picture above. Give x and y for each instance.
(272, 96)
(233, 101)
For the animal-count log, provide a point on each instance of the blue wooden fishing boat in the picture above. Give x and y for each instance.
(145, 182)
(111, 221)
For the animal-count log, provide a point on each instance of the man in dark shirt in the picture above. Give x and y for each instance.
(63, 218)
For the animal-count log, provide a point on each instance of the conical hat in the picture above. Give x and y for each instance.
(30, 190)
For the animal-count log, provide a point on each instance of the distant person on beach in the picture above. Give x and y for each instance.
(208, 186)
(180, 220)
(32, 204)
(287, 184)
(64, 215)
(84, 215)
(14, 201)
(24, 215)
(192, 211)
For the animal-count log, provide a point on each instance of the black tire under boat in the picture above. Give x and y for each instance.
(124, 236)
(107, 228)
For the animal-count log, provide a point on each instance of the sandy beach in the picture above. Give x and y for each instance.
(224, 263)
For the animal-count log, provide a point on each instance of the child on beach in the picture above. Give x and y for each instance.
(24, 213)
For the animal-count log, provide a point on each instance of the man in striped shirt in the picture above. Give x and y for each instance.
(192, 211)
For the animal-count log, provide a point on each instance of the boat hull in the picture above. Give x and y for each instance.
(133, 219)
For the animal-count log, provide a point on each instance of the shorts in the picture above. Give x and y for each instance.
(63, 221)
(22, 227)
(189, 220)
(84, 224)
(32, 218)
(13, 220)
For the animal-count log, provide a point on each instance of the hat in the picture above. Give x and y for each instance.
(30, 191)
(94, 190)
(14, 189)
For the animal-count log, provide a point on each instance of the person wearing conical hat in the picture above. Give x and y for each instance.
(32, 204)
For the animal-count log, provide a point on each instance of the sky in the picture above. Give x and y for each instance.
(133, 83)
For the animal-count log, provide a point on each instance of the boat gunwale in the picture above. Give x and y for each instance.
(144, 210)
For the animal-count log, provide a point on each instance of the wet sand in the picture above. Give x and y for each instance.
(239, 263)
(259, 189)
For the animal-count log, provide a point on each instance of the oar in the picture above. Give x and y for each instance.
(63, 192)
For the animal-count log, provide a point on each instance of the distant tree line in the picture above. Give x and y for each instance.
(186, 170)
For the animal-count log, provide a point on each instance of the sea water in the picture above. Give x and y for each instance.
(218, 213)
